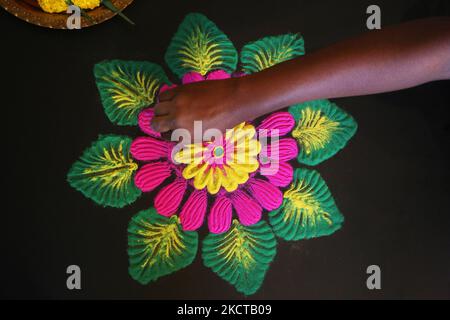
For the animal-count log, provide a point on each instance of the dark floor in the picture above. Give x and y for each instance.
(391, 182)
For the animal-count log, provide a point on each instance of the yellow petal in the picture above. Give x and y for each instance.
(229, 184)
(234, 176)
(191, 153)
(231, 132)
(201, 180)
(254, 148)
(215, 182)
(193, 170)
(243, 135)
(248, 132)
(242, 169)
(245, 154)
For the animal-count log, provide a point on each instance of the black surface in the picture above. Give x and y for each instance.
(391, 181)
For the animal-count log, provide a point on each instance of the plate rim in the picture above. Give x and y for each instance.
(59, 20)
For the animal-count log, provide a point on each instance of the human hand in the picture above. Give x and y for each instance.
(216, 103)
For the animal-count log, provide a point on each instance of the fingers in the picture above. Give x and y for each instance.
(167, 95)
(166, 135)
(164, 120)
(163, 108)
(163, 123)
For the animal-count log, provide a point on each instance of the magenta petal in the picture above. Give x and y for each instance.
(247, 209)
(218, 75)
(144, 121)
(281, 177)
(166, 87)
(238, 74)
(287, 150)
(219, 220)
(169, 198)
(192, 77)
(151, 175)
(267, 195)
(281, 121)
(148, 148)
(194, 210)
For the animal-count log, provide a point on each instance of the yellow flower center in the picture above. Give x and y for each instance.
(226, 162)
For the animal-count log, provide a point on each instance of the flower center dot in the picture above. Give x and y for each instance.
(218, 152)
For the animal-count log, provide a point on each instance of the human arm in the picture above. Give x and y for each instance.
(390, 59)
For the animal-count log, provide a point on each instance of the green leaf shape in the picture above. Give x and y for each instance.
(269, 51)
(105, 172)
(242, 255)
(308, 209)
(126, 87)
(157, 246)
(199, 46)
(322, 129)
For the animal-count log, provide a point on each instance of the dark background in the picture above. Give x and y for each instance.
(391, 182)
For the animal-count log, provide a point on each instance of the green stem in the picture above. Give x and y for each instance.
(83, 13)
(108, 4)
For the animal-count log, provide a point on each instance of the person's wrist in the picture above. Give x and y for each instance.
(244, 98)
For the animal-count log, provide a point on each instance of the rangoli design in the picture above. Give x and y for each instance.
(244, 205)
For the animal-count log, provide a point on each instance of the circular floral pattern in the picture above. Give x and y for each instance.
(228, 180)
(229, 169)
(225, 162)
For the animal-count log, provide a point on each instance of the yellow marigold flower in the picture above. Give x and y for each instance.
(53, 6)
(87, 4)
(56, 6)
(225, 162)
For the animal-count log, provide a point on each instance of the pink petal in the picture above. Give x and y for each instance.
(192, 77)
(193, 212)
(144, 121)
(287, 150)
(238, 74)
(151, 175)
(282, 177)
(169, 198)
(148, 148)
(166, 87)
(247, 209)
(281, 121)
(268, 196)
(218, 75)
(219, 220)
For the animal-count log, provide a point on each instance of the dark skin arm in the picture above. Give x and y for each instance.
(390, 59)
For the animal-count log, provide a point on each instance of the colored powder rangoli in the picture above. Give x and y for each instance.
(225, 185)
